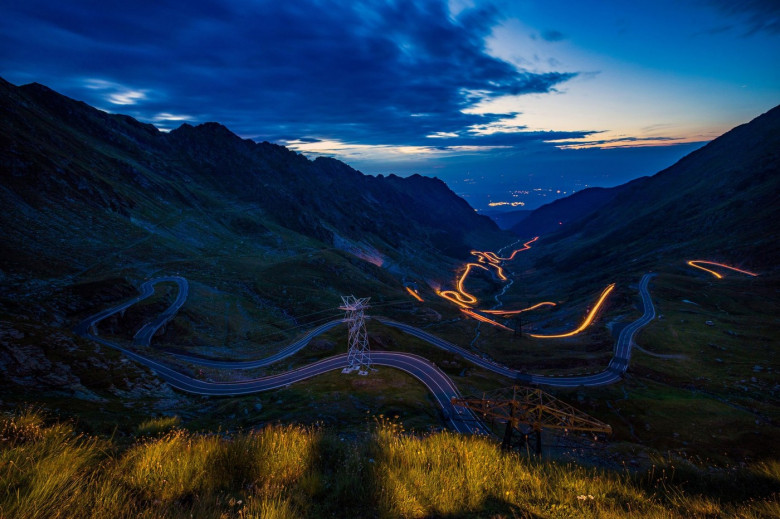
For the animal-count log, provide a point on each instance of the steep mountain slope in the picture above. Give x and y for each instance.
(80, 184)
(508, 219)
(720, 202)
(550, 217)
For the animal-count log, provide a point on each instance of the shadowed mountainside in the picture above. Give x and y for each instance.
(550, 217)
(720, 202)
(78, 183)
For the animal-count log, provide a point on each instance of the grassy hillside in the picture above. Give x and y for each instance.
(47, 469)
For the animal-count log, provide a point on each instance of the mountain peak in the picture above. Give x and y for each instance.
(211, 129)
(37, 87)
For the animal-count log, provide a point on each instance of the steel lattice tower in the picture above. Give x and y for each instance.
(534, 410)
(359, 355)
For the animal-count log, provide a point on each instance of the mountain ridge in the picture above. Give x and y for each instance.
(721, 201)
(61, 156)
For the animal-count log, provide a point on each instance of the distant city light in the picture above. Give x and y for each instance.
(513, 204)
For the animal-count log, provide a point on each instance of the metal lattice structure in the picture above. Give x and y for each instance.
(529, 409)
(359, 354)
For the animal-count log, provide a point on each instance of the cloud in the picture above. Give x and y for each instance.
(618, 142)
(128, 97)
(164, 116)
(115, 93)
(553, 35)
(753, 15)
(377, 73)
(442, 135)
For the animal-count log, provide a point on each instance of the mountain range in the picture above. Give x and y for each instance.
(80, 184)
(90, 196)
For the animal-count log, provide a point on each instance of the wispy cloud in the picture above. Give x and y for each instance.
(619, 142)
(115, 93)
(164, 116)
(378, 152)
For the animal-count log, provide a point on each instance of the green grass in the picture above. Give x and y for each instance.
(47, 469)
(715, 398)
(712, 401)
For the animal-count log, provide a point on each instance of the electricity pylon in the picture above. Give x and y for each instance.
(534, 410)
(359, 355)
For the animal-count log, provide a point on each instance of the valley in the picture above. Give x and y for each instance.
(193, 278)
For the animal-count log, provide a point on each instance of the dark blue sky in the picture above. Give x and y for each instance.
(492, 97)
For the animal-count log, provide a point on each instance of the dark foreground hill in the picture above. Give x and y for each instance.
(721, 201)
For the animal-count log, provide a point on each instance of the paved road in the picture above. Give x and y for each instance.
(147, 289)
(615, 370)
(267, 361)
(622, 355)
(452, 348)
(143, 337)
(437, 382)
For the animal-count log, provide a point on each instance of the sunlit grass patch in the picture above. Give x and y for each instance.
(285, 471)
(270, 460)
(154, 426)
(446, 474)
(769, 469)
(171, 467)
(43, 468)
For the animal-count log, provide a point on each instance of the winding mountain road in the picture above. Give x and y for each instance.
(143, 337)
(147, 289)
(295, 347)
(614, 372)
(436, 381)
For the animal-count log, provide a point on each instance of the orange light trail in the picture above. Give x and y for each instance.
(463, 299)
(495, 259)
(451, 295)
(414, 294)
(464, 296)
(484, 319)
(499, 271)
(586, 322)
(492, 257)
(514, 312)
(693, 263)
